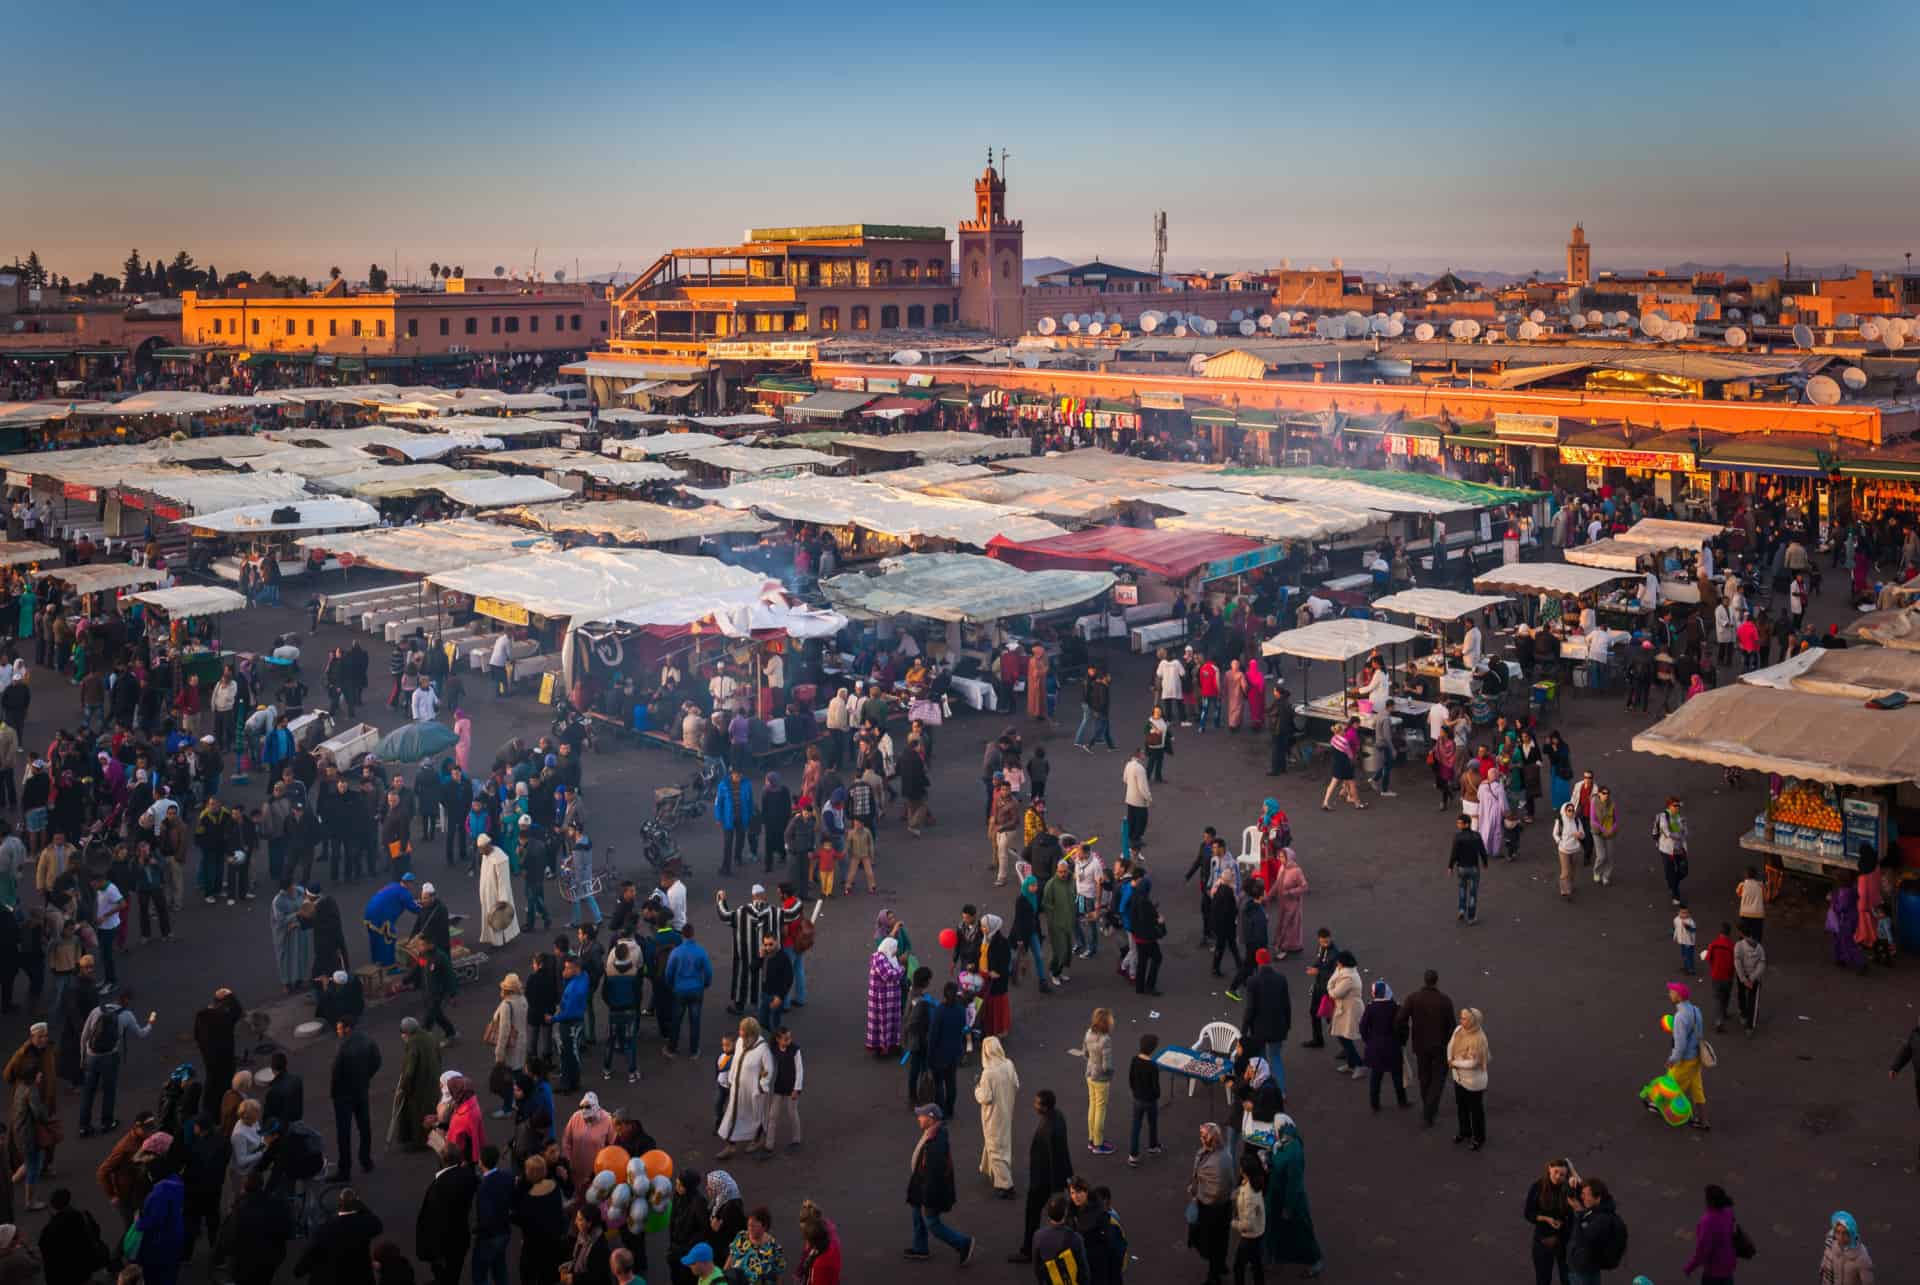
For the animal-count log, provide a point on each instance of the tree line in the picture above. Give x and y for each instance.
(152, 277)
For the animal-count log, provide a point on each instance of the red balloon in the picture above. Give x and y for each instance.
(949, 938)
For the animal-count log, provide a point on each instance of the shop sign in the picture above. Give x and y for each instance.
(763, 350)
(1593, 458)
(168, 513)
(920, 379)
(1126, 595)
(75, 491)
(128, 500)
(875, 384)
(1243, 563)
(1417, 447)
(850, 383)
(1527, 428)
(1860, 819)
(512, 613)
(1163, 401)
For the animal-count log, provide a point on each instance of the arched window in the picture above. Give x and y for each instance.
(860, 317)
(941, 314)
(936, 269)
(910, 271)
(1006, 268)
(916, 315)
(889, 316)
(882, 271)
(828, 318)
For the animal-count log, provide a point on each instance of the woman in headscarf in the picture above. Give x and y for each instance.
(588, 1131)
(748, 1080)
(998, 1094)
(1467, 1059)
(1210, 1189)
(1037, 666)
(1290, 1237)
(726, 1212)
(1286, 885)
(1567, 845)
(292, 937)
(1842, 914)
(1443, 758)
(1256, 695)
(1235, 687)
(508, 1027)
(1866, 885)
(884, 972)
(996, 966)
(1559, 758)
(1345, 990)
(462, 748)
(1845, 1260)
(687, 1225)
(1492, 798)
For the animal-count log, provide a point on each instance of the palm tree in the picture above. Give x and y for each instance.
(433, 270)
(333, 274)
(459, 271)
(499, 271)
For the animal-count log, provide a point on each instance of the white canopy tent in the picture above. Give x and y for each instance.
(637, 522)
(900, 514)
(961, 587)
(752, 461)
(430, 546)
(598, 467)
(1547, 577)
(661, 444)
(201, 491)
(1437, 604)
(499, 492)
(1338, 640)
(312, 515)
(1619, 554)
(15, 552)
(96, 577)
(183, 602)
(1792, 733)
(1856, 673)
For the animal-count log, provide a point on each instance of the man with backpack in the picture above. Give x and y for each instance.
(103, 1043)
(1598, 1242)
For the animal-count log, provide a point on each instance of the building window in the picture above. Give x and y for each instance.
(889, 316)
(214, 327)
(910, 271)
(603, 325)
(309, 327)
(513, 325)
(860, 317)
(333, 327)
(289, 327)
(413, 327)
(356, 327)
(862, 273)
(473, 325)
(828, 318)
(882, 272)
(576, 321)
(941, 314)
(936, 269)
(256, 325)
(445, 326)
(916, 315)
(496, 325)
(1006, 268)
(533, 324)
(380, 328)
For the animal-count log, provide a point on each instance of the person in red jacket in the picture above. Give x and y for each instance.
(1208, 682)
(1720, 968)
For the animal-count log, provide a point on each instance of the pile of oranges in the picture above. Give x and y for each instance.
(1804, 805)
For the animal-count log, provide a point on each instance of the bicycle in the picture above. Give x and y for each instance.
(673, 804)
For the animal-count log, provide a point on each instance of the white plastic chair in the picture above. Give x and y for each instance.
(1214, 1037)
(1250, 846)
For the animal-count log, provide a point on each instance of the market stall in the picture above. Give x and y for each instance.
(186, 613)
(636, 522)
(1551, 582)
(1848, 766)
(887, 521)
(1440, 673)
(15, 552)
(1342, 641)
(269, 530)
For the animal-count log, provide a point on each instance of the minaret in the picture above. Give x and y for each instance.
(1579, 258)
(992, 257)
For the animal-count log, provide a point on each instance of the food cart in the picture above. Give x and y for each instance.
(1848, 768)
(1434, 675)
(181, 609)
(1645, 547)
(1342, 640)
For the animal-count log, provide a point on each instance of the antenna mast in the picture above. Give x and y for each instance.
(1160, 244)
(1003, 169)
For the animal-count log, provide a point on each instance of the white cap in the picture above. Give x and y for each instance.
(484, 841)
(426, 890)
(340, 977)
(759, 889)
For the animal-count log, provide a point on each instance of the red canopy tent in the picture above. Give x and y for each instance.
(1172, 554)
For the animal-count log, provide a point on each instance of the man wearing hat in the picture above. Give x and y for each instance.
(417, 1092)
(930, 1188)
(382, 912)
(757, 919)
(699, 1261)
(1683, 1060)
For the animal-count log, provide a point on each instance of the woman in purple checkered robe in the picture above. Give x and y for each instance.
(884, 976)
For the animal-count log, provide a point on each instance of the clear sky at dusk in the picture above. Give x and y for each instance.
(295, 137)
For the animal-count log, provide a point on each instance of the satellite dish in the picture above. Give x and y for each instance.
(908, 357)
(1180, 331)
(1356, 323)
(1736, 297)
(1423, 332)
(1596, 317)
(1177, 315)
(1733, 314)
(1579, 321)
(1100, 318)
(1900, 326)
(1531, 330)
(1398, 316)
(1894, 340)
(1736, 337)
(1073, 325)
(1047, 325)
(1247, 327)
(1511, 329)
(1822, 391)
(1085, 318)
(1788, 301)
(1432, 297)
(1871, 332)
(1237, 315)
(1854, 378)
(1536, 316)
(1845, 319)
(1673, 332)
(1475, 329)
(1393, 367)
(1802, 337)
(1759, 318)
(1096, 328)
(1456, 330)
(1301, 315)
(1149, 322)
(1653, 324)
(1396, 328)
(1281, 326)
(1264, 321)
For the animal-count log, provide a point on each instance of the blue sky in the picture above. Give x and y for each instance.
(1415, 135)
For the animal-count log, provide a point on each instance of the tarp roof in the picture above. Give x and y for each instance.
(938, 445)
(598, 467)
(646, 448)
(1666, 533)
(828, 403)
(1255, 518)
(1341, 493)
(636, 522)
(596, 584)
(492, 425)
(1859, 673)
(1436, 604)
(394, 481)
(922, 476)
(1793, 733)
(1460, 494)
(1104, 466)
(15, 552)
(184, 601)
(96, 576)
(499, 492)
(1898, 628)
(1614, 554)
(1046, 494)
(1339, 639)
(315, 515)
(430, 546)
(963, 587)
(1547, 577)
(176, 402)
(1173, 554)
(901, 514)
(607, 368)
(403, 441)
(750, 459)
(202, 491)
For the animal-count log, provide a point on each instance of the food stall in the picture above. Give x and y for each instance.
(185, 613)
(1848, 767)
(269, 530)
(1674, 552)
(1554, 585)
(1437, 675)
(15, 552)
(1342, 641)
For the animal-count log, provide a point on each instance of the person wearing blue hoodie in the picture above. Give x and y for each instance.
(163, 1231)
(688, 974)
(567, 1020)
(733, 809)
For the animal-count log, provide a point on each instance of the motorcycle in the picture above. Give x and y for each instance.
(673, 804)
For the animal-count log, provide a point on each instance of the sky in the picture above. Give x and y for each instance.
(1397, 134)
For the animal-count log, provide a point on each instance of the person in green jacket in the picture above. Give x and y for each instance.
(1057, 908)
(1290, 1237)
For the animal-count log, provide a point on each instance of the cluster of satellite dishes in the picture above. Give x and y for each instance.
(1085, 323)
(1890, 331)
